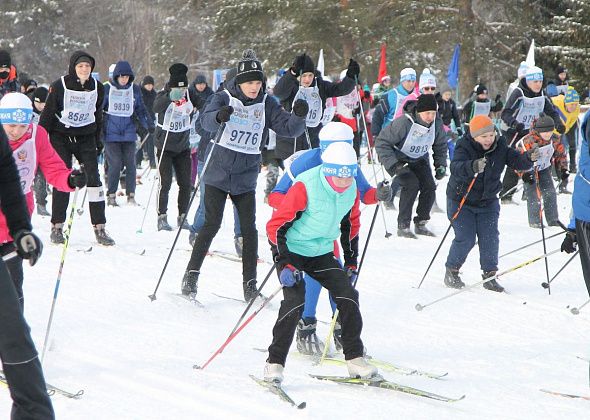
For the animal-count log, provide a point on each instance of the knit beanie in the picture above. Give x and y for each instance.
(426, 103)
(407, 74)
(534, 73)
(339, 160)
(148, 80)
(427, 79)
(571, 96)
(84, 59)
(481, 89)
(522, 69)
(40, 94)
(249, 68)
(15, 108)
(200, 79)
(543, 124)
(480, 124)
(178, 77)
(308, 65)
(5, 60)
(335, 132)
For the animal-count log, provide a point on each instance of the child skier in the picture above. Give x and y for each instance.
(479, 152)
(321, 206)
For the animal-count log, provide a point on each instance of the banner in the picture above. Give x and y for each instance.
(453, 72)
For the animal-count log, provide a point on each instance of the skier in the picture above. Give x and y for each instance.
(73, 118)
(322, 205)
(148, 96)
(31, 149)
(40, 185)
(403, 150)
(302, 81)
(391, 102)
(123, 108)
(551, 149)
(20, 362)
(481, 104)
(348, 110)
(479, 152)
(579, 226)
(382, 88)
(8, 76)
(524, 105)
(568, 109)
(561, 80)
(307, 340)
(245, 113)
(447, 109)
(174, 106)
(199, 88)
(521, 72)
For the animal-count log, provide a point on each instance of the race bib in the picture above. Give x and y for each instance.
(194, 137)
(120, 102)
(530, 110)
(312, 96)
(79, 107)
(25, 157)
(177, 119)
(418, 140)
(481, 108)
(546, 153)
(243, 131)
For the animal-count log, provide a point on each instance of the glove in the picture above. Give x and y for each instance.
(28, 246)
(569, 242)
(300, 108)
(564, 174)
(298, 65)
(560, 128)
(367, 94)
(497, 98)
(528, 178)
(77, 179)
(533, 153)
(99, 146)
(399, 168)
(351, 273)
(353, 70)
(383, 191)
(479, 165)
(518, 126)
(151, 130)
(440, 172)
(459, 132)
(224, 113)
(290, 276)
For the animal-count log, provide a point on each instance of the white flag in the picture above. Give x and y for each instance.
(530, 57)
(320, 66)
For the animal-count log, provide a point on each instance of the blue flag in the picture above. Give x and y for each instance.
(453, 73)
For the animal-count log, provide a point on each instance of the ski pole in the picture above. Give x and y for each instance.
(545, 285)
(59, 273)
(539, 197)
(576, 311)
(531, 244)
(157, 177)
(336, 312)
(193, 195)
(450, 225)
(240, 328)
(385, 182)
(512, 190)
(80, 211)
(420, 307)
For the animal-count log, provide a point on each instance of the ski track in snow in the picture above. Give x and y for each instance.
(134, 357)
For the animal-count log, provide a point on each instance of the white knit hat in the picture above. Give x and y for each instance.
(407, 74)
(335, 132)
(15, 108)
(427, 79)
(339, 160)
(522, 69)
(534, 73)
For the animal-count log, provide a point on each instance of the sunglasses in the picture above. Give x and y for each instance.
(428, 88)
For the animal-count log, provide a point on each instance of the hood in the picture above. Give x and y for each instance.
(527, 92)
(236, 92)
(123, 68)
(74, 57)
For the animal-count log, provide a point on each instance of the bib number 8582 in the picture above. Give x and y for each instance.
(75, 116)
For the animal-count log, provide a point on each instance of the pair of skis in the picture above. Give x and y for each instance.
(51, 390)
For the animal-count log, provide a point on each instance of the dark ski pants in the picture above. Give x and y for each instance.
(40, 188)
(472, 222)
(327, 271)
(583, 237)
(148, 147)
(548, 195)
(20, 363)
(416, 177)
(15, 269)
(569, 141)
(214, 205)
(181, 162)
(119, 155)
(84, 149)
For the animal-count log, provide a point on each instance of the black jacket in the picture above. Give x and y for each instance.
(149, 96)
(488, 183)
(12, 200)
(286, 89)
(447, 111)
(49, 119)
(202, 95)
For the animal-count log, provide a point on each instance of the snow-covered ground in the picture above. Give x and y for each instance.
(134, 358)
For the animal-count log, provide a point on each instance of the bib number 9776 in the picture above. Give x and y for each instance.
(246, 136)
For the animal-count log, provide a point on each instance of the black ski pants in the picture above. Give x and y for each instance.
(416, 177)
(20, 361)
(181, 163)
(327, 271)
(15, 269)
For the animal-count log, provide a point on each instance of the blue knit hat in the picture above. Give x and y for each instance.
(571, 96)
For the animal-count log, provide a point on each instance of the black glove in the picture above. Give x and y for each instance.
(151, 130)
(459, 131)
(398, 168)
(224, 113)
(300, 108)
(298, 65)
(28, 246)
(77, 179)
(528, 178)
(497, 98)
(518, 126)
(564, 174)
(440, 172)
(479, 165)
(353, 69)
(383, 191)
(99, 146)
(560, 128)
(569, 242)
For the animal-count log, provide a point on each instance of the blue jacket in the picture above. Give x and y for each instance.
(581, 195)
(386, 109)
(123, 129)
(236, 172)
(488, 184)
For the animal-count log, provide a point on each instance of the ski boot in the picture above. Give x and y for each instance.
(535, 225)
(112, 200)
(239, 245)
(405, 232)
(359, 368)
(307, 339)
(338, 336)
(131, 199)
(507, 200)
(42, 210)
(102, 237)
(573, 168)
(57, 234)
(563, 188)
(163, 223)
(452, 279)
(185, 225)
(421, 229)
(250, 290)
(492, 284)
(190, 283)
(273, 373)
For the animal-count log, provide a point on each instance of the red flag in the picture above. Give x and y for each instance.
(382, 64)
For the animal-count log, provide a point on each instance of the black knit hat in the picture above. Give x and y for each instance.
(40, 94)
(481, 89)
(200, 79)
(178, 77)
(544, 124)
(231, 73)
(308, 65)
(426, 103)
(148, 80)
(5, 60)
(249, 68)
